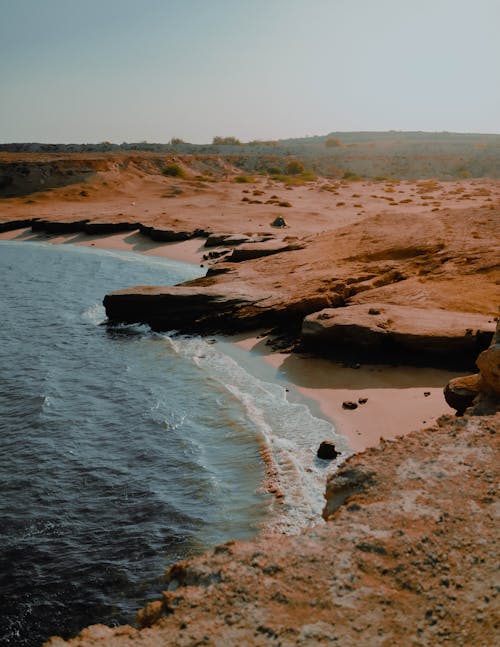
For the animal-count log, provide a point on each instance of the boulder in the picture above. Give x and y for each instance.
(327, 451)
(386, 332)
(279, 221)
(461, 392)
(488, 364)
(479, 393)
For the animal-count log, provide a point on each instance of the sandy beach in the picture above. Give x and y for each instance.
(188, 251)
(391, 400)
(398, 399)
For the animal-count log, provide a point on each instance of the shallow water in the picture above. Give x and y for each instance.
(124, 450)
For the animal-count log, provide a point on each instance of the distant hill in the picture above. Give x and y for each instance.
(392, 154)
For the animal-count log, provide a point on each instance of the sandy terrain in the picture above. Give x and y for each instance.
(138, 192)
(398, 399)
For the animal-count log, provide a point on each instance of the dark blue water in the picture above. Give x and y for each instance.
(119, 453)
(123, 450)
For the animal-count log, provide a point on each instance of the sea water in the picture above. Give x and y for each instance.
(123, 450)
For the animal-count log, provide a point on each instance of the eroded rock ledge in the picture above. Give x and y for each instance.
(376, 330)
(407, 557)
(370, 332)
(186, 308)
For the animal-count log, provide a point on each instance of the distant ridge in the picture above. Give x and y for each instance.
(370, 154)
(344, 137)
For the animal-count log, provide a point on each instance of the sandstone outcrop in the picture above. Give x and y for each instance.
(386, 331)
(170, 235)
(256, 250)
(217, 239)
(478, 393)
(186, 308)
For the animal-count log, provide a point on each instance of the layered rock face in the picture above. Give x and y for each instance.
(185, 308)
(380, 330)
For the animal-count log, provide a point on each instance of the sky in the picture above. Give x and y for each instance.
(149, 70)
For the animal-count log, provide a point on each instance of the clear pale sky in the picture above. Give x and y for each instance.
(134, 70)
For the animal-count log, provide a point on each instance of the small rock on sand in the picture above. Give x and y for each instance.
(327, 450)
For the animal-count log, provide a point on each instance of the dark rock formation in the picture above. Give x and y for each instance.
(186, 308)
(279, 221)
(97, 227)
(59, 227)
(12, 225)
(215, 240)
(386, 332)
(22, 177)
(350, 406)
(170, 235)
(216, 254)
(256, 250)
(327, 451)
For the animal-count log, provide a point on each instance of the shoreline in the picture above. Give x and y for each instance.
(396, 396)
(400, 399)
(186, 251)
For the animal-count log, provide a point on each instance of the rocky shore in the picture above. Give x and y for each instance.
(392, 272)
(402, 559)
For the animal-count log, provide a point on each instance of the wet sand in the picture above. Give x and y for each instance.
(399, 399)
(187, 251)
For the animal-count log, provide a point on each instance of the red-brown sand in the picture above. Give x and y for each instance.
(399, 399)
